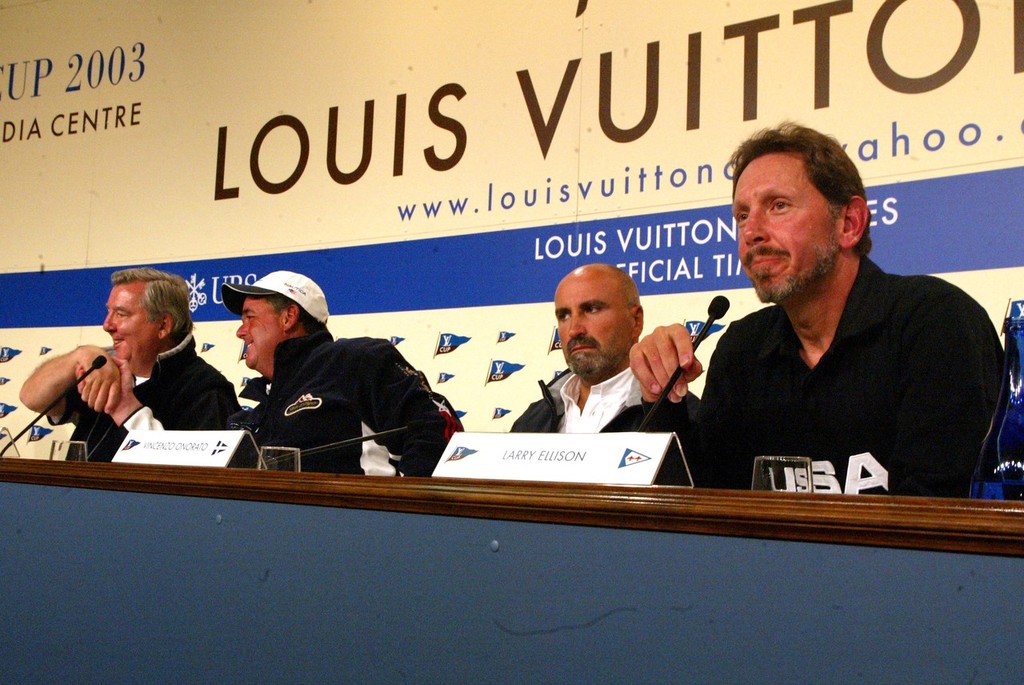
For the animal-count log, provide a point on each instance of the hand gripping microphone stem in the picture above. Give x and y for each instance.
(716, 310)
(97, 363)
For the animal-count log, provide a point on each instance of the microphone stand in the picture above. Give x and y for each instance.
(355, 441)
(716, 310)
(97, 363)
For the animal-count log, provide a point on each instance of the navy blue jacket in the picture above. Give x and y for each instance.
(325, 391)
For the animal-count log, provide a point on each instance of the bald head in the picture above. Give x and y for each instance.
(604, 278)
(599, 316)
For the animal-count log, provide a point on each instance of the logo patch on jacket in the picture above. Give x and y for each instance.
(307, 401)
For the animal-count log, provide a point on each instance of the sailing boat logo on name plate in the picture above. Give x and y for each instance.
(460, 453)
(631, 457)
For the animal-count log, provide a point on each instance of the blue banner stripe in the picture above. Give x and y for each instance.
(956, 223)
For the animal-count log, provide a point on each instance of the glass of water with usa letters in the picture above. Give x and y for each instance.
(783, 474)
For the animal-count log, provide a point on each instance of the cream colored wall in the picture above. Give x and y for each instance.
(145, 193)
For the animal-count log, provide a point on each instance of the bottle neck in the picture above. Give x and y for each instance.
(1014, 363)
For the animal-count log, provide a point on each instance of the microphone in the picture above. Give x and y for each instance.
(716, 310)
(97, 363)
(412, 425)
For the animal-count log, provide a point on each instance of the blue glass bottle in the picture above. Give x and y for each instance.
(1000, 470)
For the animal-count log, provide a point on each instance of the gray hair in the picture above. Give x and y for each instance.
(165, 293)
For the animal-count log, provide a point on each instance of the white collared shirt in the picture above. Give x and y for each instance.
(606, 401)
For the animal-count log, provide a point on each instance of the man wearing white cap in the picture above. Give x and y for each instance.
(316, 391)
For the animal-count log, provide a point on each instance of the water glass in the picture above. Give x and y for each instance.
(280, 459)
(785, 474)
(9, 449)
(68, 450)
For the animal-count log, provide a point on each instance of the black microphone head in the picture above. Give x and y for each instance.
(718, 307)
(101, 359)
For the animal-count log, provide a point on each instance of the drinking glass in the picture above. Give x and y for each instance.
(68, 450)
(786, 474)
(280, 459)
(10, 449)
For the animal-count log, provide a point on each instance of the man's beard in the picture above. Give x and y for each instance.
(825, 258)
(593, 366)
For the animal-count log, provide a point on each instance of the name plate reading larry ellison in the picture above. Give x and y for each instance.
(608, 458)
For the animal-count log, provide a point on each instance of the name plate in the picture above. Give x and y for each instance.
(608, 458)
(234, 448)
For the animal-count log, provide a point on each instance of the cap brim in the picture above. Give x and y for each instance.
(233, 295)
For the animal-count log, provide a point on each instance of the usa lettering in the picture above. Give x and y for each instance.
(863, 474)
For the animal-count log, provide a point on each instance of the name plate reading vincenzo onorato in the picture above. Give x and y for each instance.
(234, 448)
(608, 458)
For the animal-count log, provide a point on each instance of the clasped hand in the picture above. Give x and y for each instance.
(109, 389)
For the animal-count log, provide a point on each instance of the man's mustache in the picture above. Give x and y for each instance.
(762, 251)
(582, 340)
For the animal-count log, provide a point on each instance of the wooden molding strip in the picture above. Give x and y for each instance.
(949, 525)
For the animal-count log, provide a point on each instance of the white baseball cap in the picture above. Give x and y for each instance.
(296, 287)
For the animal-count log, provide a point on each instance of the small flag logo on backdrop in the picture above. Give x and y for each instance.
(449, 342)
(499, 412)
(241, 354)
(395, 339)
(505, 336)
(444, 377)
(5, 409)
(207, 347)
(4, 381)
(8, 353)
(1017, 309)
(695, 327)
(499, 370)
(45, 350)
(556, 341)
(38, 433)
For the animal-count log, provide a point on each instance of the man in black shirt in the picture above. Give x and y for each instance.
(887, 382)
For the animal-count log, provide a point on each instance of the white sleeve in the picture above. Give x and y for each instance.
(143, 420)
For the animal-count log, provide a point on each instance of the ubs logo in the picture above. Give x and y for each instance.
(197, 296)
